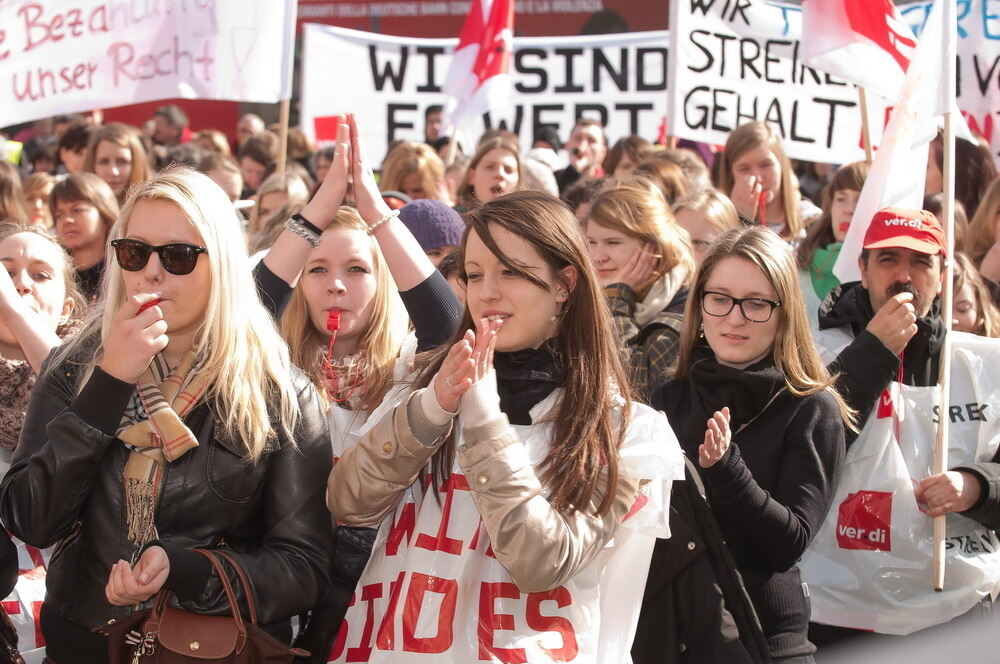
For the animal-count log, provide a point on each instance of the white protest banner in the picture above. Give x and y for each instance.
(619, 79)
(737, 62)
(61, 57)
(978, 62)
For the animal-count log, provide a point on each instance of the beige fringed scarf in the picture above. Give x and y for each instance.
(154, 430)
(660, 294)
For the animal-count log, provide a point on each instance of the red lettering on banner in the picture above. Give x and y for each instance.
(386, 640)
(167, 62)
(406, 524)
(362, 653)
(442, 542)
(490, 621)
(420, 585)
(539, 623)
(864, 521)
(986, 130)
(341, 640)
(474, 544)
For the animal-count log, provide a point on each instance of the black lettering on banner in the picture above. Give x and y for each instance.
(633, 114)
(702, 122)
(601, 109)
(774, 116)
(717, 107)
(794, 132)
(642, 85)
(430, 52)
(984, 80)
(522, 68)
(728, 9)
(392, 124)
(769, 58)
(709, 58)
(747, 62)
(502, 122)
(396, 76)
(620, 77)
(536, 115)
(741, 117)
(970, 412)
(568, 55)
(833, 104)
(829, 80)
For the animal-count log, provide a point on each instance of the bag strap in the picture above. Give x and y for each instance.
(230, 596)
(244, 581)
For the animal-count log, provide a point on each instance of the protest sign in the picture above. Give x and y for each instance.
(739, 61)
(978, 62)
(619, 79)
(61, 57)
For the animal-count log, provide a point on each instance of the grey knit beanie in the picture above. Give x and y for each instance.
(433, 223)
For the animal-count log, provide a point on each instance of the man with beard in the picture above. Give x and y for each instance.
(893, 320)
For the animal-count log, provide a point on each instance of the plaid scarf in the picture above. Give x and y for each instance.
(153, 429)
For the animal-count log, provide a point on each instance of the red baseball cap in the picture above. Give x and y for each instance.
(918, 230)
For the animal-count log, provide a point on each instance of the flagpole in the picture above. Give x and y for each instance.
(866, 134)
(283, 113)
(452, 139)
(944, 401)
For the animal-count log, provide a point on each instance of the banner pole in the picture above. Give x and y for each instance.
(283, 113)
(866, 134)
(944, 403)
(452, 140)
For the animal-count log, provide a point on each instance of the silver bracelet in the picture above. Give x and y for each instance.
(294, 226)
(387, 218)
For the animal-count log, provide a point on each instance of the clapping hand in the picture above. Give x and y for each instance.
(717, 439)
(468, 362)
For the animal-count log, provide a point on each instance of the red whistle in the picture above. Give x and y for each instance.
(333, 320)
(844, 226)
(152, 303)
(761, 205)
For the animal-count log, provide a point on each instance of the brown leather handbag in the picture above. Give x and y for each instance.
(167, 635)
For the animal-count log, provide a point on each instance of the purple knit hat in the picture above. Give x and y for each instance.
(433, 223)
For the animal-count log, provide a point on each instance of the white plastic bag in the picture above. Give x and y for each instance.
(869, 566)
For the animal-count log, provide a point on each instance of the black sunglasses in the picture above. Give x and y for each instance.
(177, 257)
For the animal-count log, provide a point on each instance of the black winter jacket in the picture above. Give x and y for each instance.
(64, 488)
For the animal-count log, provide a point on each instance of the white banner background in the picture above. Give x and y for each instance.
(389, 81)
(62, 57)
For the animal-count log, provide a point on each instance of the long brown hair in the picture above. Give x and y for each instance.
(11, 194)
(126, 137)
(983, 224)
(747, 137)
(849, 176)
(795, 352)
(467, 193)
(89, 188)
(583, 454)
(407, 158)
(637, 212)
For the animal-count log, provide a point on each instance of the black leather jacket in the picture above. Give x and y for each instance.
(64, 488)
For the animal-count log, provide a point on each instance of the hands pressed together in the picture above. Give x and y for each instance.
(468, 361)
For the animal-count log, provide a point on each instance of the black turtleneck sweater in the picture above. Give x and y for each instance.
(772, 489)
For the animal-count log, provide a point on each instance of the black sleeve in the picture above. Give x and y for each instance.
(780, 525)
(272, 289)
(987, 509)
(434, 310)
(60, 453)
(866, 368)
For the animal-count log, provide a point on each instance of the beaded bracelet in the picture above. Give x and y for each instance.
(387, 218)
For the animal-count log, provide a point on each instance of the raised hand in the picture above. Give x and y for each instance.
(467, 362)
(718, 436)
(367, 196)
(895, 323)
(324, 205)
(134, 338)
(746, 196)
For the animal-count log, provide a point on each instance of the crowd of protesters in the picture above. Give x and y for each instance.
(581, 373)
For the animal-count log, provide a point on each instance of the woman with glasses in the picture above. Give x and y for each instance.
(174, 420)
(753, 403)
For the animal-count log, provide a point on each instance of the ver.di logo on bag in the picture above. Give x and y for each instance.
(864, 521)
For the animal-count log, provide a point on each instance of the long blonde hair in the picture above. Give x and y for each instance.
(748, 137)
(380, 342)
(247, 362)
(795, 352)
(983, 224)
(638, 212)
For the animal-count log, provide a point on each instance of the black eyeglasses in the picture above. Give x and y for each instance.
(177, 257)
(754, 309)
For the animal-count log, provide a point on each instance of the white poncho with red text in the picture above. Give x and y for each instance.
(433, 592)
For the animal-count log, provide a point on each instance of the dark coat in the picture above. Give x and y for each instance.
(64, 488)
